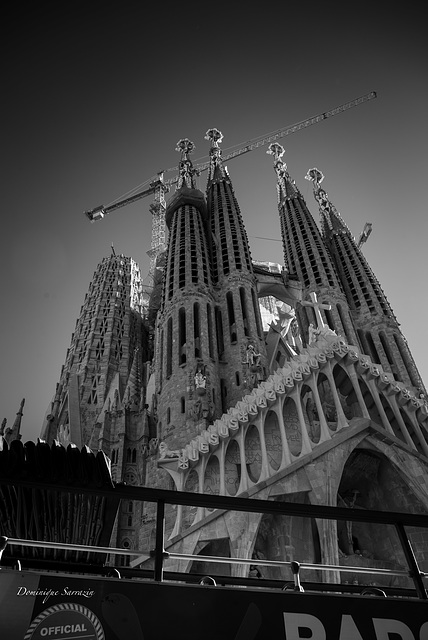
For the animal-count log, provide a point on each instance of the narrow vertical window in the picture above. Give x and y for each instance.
(219, 332)
(182, 336)
(169, 348)
(257, 313)
(161, 356)
(244, 310)
(196, 330)
(223, 392)
(329, 317)
(373, 351)
(210, 332)
(231, 315)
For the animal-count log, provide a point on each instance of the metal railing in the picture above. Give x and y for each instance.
(224, 503)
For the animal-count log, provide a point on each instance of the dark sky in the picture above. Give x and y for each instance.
(95, 100)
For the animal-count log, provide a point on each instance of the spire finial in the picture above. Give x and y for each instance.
(185, 168)
(330, 217)
(277, 151)
(316, 176)
(286, 186)
(215, 137)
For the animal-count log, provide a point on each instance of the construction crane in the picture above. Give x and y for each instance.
(365, 234)
(159, 187)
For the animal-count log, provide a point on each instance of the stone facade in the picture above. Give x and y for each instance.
(322, 406)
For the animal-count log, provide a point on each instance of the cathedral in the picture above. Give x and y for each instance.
(249, 379)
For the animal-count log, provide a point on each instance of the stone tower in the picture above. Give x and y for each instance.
(209, 316)
(308, 258)
(321, 406)
(99, 400)
(377, 327)
(238, 322)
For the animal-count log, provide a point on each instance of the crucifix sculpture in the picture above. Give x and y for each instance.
(317, 306)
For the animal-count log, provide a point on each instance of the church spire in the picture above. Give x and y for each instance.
(14, 432)
(377, 328)
(132, 395)
(331, 220)
(186, 171)
(286, 186)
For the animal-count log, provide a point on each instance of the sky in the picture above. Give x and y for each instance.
(96, 96)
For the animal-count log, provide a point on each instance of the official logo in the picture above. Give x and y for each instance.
(63, 621)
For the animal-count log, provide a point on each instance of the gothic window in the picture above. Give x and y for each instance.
(168, 415)
(134, 455)
(128, 455)
(129, 521)
(183, 405)
(237, 378)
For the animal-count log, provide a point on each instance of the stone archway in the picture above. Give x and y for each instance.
(370, 481)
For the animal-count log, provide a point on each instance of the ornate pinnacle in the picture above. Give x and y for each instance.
(329, 214)
(215, 136)
(276, 150)
(316, 176)
(185, 168)
(186, 147)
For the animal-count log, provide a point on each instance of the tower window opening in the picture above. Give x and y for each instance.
(182, 336)
(219, 331)
(256, 310)
(223, 391)
(372, 347)
(344, 324)
(196, 330)
(237, 379)
(244, 310)
(169, 348)
(168, 415)
(210, 332)
(386, 348)
(329, 318)
(183, 404)
(231, 315)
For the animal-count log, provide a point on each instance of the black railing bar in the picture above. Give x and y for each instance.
(415, 572)
(77, 547)
(159, 551)
(231, 503)
(281, 563)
